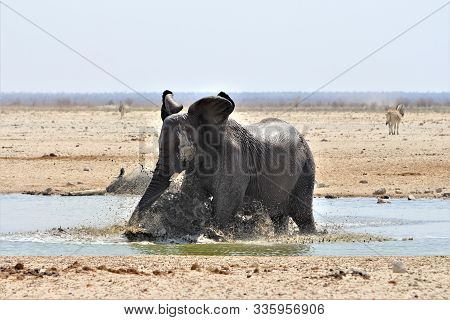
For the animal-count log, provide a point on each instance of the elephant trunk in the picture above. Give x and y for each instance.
(166, 165)
(159, 183)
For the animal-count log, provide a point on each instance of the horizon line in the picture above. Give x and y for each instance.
(234, 92)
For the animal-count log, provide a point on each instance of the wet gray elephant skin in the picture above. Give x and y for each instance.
(228, 166)
(135, 182)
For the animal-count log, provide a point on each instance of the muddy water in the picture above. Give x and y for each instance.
(55, 225)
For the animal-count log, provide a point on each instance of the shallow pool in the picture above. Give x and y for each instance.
(26, 219)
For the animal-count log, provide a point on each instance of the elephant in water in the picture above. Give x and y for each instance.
(227, 168)
(135, 182)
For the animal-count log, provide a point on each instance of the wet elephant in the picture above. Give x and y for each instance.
(135, 182)
(230, 165)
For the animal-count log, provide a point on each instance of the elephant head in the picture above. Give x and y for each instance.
(182, 138)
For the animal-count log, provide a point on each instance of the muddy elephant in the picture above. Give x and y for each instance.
(232, 165)
(135, 182)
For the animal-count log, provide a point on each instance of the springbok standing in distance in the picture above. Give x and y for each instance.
(121, 109)
(393, 118)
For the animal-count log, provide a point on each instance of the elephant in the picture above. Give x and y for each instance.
(135, 182)
(230, 165)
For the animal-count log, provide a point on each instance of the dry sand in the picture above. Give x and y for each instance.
(350, 148)
(171, 277)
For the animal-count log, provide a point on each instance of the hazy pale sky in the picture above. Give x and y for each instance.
(228, 45)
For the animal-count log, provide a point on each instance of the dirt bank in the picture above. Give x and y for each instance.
(193, 277)
(81, 149)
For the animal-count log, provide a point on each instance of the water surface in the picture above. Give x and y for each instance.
(26, 219)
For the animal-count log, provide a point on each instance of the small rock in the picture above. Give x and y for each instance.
(446, 194)
(52, 155)
(438, 190)
(381, 200)
(86, 169)
(411, 197)
(74, 265)
(364, 181)
(195, 267)
(379, 191)
(86, 268)
(330, 196)
(19, 266)
(47, 192)
(398, 192)
(398, 267)
(359, 272)
(340, 274)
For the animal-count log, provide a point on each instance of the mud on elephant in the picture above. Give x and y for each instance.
(231, 165)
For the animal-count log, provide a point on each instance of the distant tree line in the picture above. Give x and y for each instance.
(249, 99)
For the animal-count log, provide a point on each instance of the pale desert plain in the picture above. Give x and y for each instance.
(75, 149)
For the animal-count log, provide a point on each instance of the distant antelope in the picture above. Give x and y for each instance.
(393, 118)
(121, 109)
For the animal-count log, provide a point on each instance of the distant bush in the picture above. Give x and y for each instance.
(332, 100)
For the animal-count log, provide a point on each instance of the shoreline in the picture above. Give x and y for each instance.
(97, 192)
(224, 277)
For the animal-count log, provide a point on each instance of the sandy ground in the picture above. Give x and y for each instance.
(81, 149)
(171, 277)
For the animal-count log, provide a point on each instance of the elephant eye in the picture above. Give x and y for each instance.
(186, 148)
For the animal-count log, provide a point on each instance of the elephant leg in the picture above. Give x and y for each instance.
(281, 224)
(192, 187)
(227, 199)
(186, 210)
(300, 204)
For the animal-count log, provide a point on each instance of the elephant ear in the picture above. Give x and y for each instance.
(169, 105)
(225, 96)
(212, 110)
